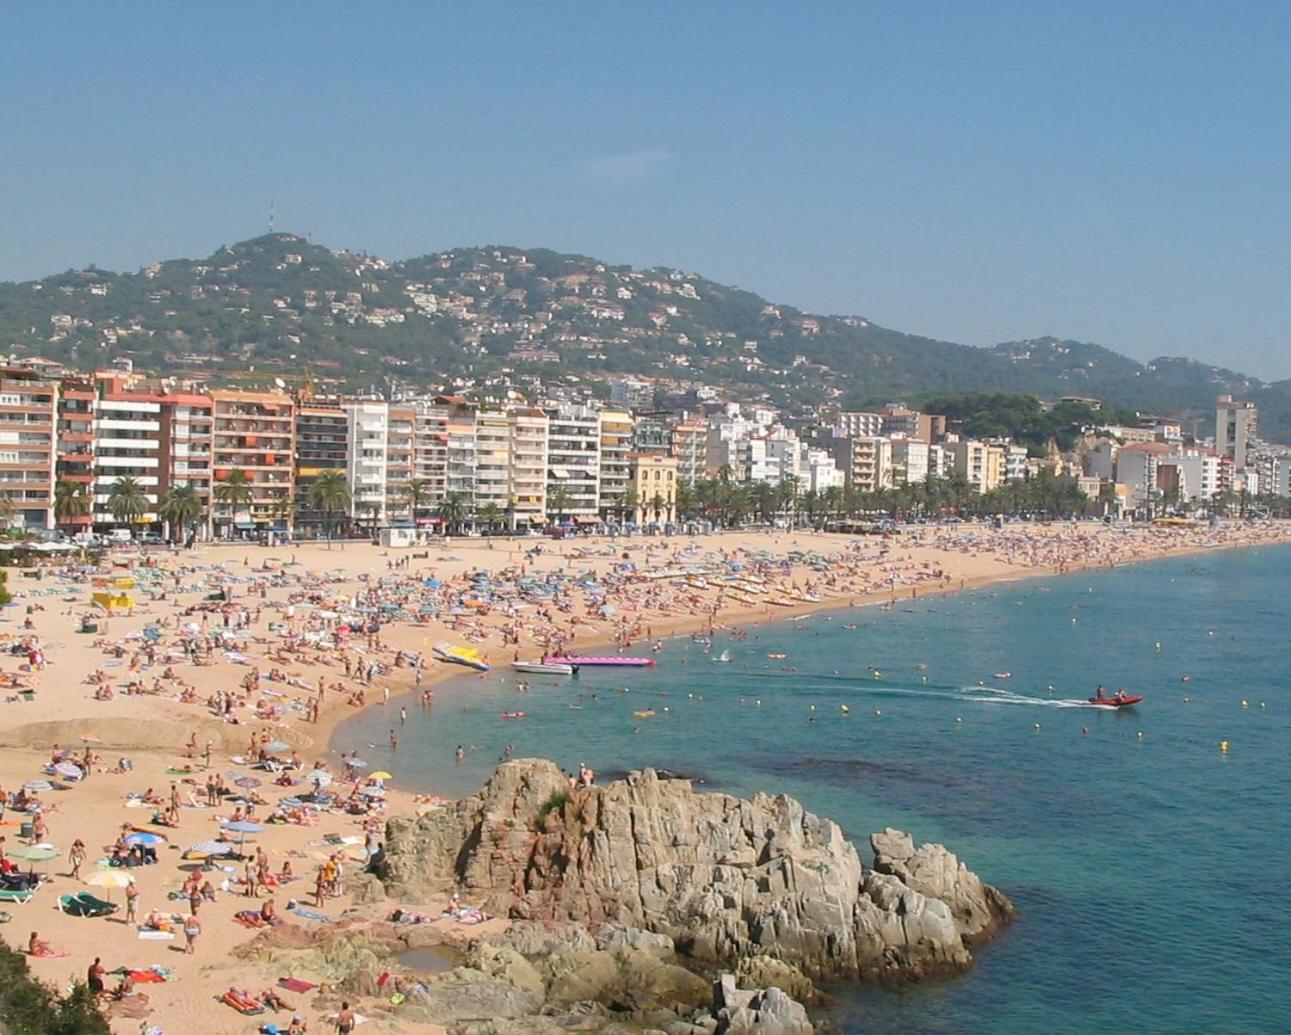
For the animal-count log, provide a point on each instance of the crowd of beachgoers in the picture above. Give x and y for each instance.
(169, 785)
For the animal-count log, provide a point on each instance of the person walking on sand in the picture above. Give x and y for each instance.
(345, 1020)
(76, 858)
(192, 928)
(132, 903)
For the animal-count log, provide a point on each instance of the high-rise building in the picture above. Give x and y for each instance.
(615, 452)
(529, 429)
(1236, 425)
(187, 421)
(75, 446)
(322, 444)
(400, 451)
(573, 463)
(28, 445)
(367, 434)
(127, 445)
(690, 447)
(254, 433)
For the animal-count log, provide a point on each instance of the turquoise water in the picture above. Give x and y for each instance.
(1151, 872)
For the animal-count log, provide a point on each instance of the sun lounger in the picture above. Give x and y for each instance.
(85, 904)
(19, 897)
(243, 1005)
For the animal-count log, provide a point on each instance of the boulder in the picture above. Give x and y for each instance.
(457, 1000)
(651, 864)
(617, 936)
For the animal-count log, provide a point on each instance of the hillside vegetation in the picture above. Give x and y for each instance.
(279, 303)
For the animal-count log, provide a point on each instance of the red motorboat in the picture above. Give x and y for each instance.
(1119, 700)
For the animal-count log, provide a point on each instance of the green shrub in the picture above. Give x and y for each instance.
(28, 1007)
(556, 801)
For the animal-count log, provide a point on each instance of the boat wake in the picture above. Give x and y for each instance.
(999, 695)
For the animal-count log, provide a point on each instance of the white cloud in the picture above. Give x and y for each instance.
(629, 168)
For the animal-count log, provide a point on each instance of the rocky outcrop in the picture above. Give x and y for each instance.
(720, 878)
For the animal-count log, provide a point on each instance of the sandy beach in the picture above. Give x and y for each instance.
(354, 626)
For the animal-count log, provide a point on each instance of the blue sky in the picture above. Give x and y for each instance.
(980, 172)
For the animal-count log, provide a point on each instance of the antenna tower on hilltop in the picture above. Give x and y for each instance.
(271, 217)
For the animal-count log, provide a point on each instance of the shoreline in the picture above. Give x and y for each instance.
(152, 726)
(752, 618)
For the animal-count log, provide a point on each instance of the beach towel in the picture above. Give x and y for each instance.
(243, 1005)
(295, 984)
(51, 955)
(311, 914)
(148, 935)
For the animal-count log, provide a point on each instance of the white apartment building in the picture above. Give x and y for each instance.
(859, 424)
(399, 462)
(127, 443)
(616, 429)
(690, 448)
(492, 461)
(819, 472)
(573, 463)
(910, 461)
(367, 440)
(529, 432)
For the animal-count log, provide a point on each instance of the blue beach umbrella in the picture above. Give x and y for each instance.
(211, 848)
(144, 837)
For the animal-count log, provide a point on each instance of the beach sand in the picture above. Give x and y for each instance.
(692, 593)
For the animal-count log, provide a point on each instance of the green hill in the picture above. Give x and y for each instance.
(278, 305)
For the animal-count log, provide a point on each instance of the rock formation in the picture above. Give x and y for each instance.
(721, 878)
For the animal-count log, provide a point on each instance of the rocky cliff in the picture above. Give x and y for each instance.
(725, 879)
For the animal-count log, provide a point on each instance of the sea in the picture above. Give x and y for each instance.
(1148, 851)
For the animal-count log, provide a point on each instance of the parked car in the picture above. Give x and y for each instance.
(152, 539)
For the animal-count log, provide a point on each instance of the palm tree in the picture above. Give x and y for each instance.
(127, 502)
(684, 503)
(284, 508)
(235, 493)
(330, 494)
(181, 508)
(8, 511)
(657, 505)
(418, 492)
(453, 510)
(71, 500)
(490, 516)
(629, 504)
(558, 501)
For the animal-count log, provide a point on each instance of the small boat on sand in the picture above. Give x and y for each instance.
(543, 668)
(458, 655)
(1119, 700)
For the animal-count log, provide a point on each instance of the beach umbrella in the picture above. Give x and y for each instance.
(320, 778)
(373, 792)
(146, 838)
(246, 782)
(357, 763)
(36, 853)
(242, 828)
(211, 848)
(381, 774)
(69, 769)
(109, 879)
(277, 746)
(36, 786)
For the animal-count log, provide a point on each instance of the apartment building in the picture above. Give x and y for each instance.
(980, 464)
(529, 460)
(866, 461)
(399, 462)
(127, 444)
(492, 463)
(573, 463)
(910, 461)
(859, 424)
(459, 465)
(187, 424)
(429, 454)
(690, 448)
(75, 447)
(1236, 428)
(367, 436)
(322, 445)
(615, 468)
(253, 432)
(653, 479)
(28, 448)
